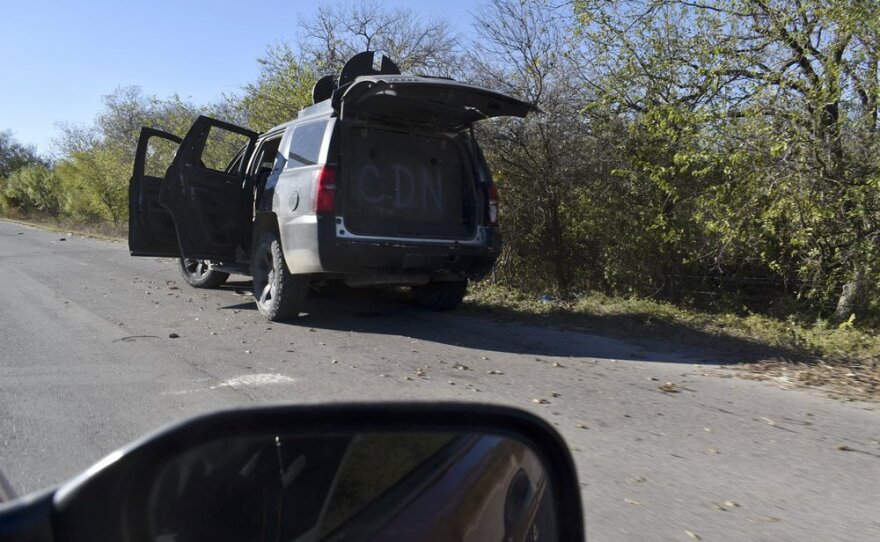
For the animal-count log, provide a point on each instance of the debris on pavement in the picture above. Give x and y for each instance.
(668, 387)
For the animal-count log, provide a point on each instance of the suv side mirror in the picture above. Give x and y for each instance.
(404, 471)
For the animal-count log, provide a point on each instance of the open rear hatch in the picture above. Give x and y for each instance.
(427, 101)
(409, 171)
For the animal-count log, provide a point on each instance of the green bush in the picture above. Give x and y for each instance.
(33, 188)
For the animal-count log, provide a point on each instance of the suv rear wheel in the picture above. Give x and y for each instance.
(440, 296)
(280, 295)
(198, 274)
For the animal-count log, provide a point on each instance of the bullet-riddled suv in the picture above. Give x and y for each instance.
(380, 182)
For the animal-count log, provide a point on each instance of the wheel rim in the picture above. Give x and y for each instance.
(264, 280)
(196, 268)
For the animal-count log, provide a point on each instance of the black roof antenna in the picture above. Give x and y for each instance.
(362, 64)
(323, 88)
(359, 64)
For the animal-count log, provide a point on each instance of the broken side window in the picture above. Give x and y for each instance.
(306, 146)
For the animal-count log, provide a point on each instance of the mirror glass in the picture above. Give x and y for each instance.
(362, 486)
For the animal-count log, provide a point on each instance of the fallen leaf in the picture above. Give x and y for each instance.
(554, 394)
(845, 448)
(541, 401)
(581, 426)
(731, 504)
(693, 535)
(637, 480)
(461, 367)
(557, 364)
(494, 372)
(632, 501)
(768, 420)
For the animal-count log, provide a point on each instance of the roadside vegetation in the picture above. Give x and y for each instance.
(709, 165)
(794, 351)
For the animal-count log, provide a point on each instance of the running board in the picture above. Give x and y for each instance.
(232, 268)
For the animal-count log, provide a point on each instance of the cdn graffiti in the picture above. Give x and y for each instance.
(413, 190)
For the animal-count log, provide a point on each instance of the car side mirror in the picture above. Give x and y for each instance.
(397, 471)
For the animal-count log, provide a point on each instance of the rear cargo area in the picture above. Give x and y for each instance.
(399, 183)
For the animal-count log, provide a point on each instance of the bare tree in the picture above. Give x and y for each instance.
(336, 32)
(521, 49)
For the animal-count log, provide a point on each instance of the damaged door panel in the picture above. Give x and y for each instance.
(204, 189)
(150, 226)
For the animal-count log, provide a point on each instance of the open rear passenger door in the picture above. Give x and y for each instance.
(150, 226)
(203, 189)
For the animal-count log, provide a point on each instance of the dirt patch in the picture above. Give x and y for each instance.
(855, 382)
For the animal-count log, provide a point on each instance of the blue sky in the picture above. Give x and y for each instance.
(60, 56)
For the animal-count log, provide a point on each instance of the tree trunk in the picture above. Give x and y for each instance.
(853, 299)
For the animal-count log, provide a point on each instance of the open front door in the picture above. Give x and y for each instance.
(203, 189)
(150, 226)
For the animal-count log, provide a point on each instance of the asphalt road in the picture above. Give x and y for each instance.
(86, 365)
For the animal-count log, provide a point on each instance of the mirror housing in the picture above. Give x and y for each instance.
(94, 505)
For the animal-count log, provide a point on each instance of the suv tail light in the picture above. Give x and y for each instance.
(493, 203)
(325, 190)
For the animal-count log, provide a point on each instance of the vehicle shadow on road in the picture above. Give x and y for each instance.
(391, 312)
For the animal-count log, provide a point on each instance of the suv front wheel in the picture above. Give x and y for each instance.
(279, 294)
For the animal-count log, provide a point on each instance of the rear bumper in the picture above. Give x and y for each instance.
(447, 260)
